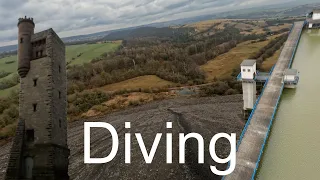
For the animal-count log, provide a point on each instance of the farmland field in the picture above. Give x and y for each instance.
(7, 92)
(87, 51)
(223, 65)
(271, 61)
(12, 67)
(143, 82)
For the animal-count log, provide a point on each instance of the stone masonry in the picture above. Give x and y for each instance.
(40, 149)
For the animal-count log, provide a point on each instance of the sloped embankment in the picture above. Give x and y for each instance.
(206, 116)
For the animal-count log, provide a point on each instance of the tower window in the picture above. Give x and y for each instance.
(41, 53)
(59, 69)
(34, 107)
(244, 70)
(59, 94)
(60, 123)
(21, 40)
(35, 82)
(249, 70)
(30, 135)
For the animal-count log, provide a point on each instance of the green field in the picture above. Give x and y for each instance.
(87, 51)
(8, 67)
(7, 92)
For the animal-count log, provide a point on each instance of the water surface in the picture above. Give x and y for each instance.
(293, 148)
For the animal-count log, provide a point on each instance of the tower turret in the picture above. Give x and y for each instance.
(26, 30)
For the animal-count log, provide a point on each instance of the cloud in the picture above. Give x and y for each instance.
(74, 17)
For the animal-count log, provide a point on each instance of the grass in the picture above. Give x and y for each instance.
(269, 62)
(10, 76)
(256, 27)
(223, 65)
(277, 28)
(9, 67)
(88, 51)
(259, 30)
(7, 92)
(8, 131)
(123, 101)
(204, 25)
(143, 82)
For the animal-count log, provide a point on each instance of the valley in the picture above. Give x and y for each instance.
(144, 64)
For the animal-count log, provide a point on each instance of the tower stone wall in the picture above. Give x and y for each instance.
(42, 107)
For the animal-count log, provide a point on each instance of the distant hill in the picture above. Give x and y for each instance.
(80, 39)
(146, 32)
(116, 35)
(92, 37)
(8, 48)
(294, 8)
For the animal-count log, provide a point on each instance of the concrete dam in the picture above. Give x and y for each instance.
(255, 134)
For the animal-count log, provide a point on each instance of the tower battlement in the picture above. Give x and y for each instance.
(25, 19)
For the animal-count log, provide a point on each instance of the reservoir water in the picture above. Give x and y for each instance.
(293, 148)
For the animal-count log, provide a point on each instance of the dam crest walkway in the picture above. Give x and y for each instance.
(252, 143)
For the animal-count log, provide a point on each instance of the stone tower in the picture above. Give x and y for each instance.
(40, 150)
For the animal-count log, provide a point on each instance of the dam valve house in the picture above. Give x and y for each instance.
(313, 19)
(251, 78)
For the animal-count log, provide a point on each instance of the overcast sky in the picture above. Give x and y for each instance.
(75, 17)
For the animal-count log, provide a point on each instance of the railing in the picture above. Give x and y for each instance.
(267, 135)
(239, 77)
(271, 70)
(251, 114)
(291, 28)
(253, 110)
(249, 120)
(296, 46)
(291, 82)
(256, 77)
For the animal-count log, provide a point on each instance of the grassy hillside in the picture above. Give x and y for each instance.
(270, 62)
(143, 82)
(165, 32)
(12, 67)
(75, 54)
(88, 51)
(84, 53)
(245, 26)
(223, 65)
(146, 66)
(7, 92)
